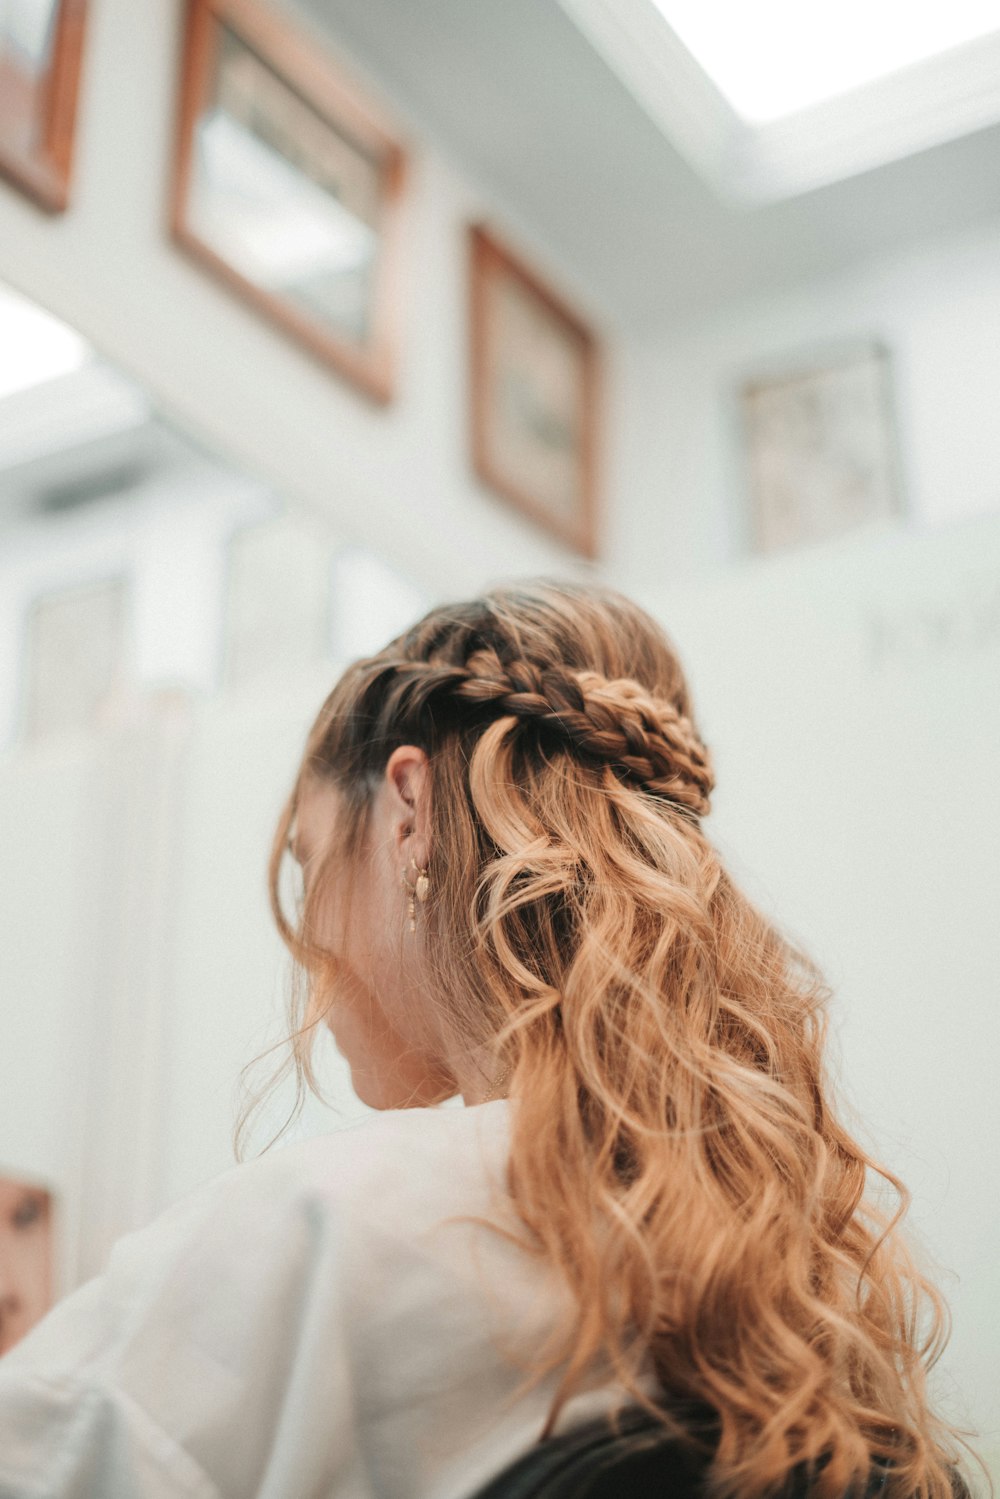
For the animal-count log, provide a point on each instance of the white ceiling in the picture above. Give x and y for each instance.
(938, 98)
(523, 101)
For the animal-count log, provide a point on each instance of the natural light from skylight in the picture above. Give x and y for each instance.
(773, 57)
(34, 346)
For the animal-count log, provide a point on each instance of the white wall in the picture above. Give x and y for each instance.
(230, 972)
(852, 703)
(139, 967)
(167, 539)
(679, 500)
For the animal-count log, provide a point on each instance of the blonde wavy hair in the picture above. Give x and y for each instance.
(675, 1150)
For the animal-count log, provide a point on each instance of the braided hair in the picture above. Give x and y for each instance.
(463, 667)
(675, 1151)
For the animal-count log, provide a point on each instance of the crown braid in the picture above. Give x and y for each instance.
(619, 722)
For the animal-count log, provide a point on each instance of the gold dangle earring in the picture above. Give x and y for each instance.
(416, 892)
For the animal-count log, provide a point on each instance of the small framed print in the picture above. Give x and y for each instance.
(534, 395)
(288, 186)
(820, 448)
(41, 55)
(278, 603)
(76, 659)
(26, 1254)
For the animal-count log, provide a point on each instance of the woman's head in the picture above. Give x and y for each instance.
(675, 1148)
(366, 974)
(490, 745)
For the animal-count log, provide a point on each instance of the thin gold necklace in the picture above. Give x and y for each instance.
(497, 1083)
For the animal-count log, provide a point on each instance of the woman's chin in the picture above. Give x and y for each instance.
(371, 1093)
(377, 1091)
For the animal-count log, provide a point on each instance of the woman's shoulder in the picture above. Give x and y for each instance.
(306, 1212)
(400, 1166)
(403, 1146)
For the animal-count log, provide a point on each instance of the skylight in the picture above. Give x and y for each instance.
(774, 57)
(34, 346)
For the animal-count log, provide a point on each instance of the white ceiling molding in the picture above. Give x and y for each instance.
(661, 75)
(83, 406)
(97, 426)
(924, 105)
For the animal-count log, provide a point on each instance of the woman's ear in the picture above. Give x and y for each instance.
(408, 787)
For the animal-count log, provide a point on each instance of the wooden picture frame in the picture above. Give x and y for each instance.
(534, 392)
(40, 67)
(288, 187)
(820, 446)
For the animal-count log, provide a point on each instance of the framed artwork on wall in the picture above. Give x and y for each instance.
(278, 605)
(820, 448)
(534, 395)
(288, 185)
(75, 665)
(41, 55)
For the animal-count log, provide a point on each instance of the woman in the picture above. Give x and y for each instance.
(508, 895)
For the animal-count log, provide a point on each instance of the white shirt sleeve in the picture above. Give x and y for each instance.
(76, 1441)
(206, 1361)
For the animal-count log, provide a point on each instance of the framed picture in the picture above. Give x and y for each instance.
(534, 395)
(278, 603)
(26, 1252)
(288, 186)
(41, 53)
(820, 448)
(76, 658)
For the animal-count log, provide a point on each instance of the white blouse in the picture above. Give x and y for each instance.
(307, 1325)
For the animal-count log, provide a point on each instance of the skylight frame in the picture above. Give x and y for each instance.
(776, 59)
(926, 104)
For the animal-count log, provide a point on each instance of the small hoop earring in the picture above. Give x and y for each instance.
(418, 891)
